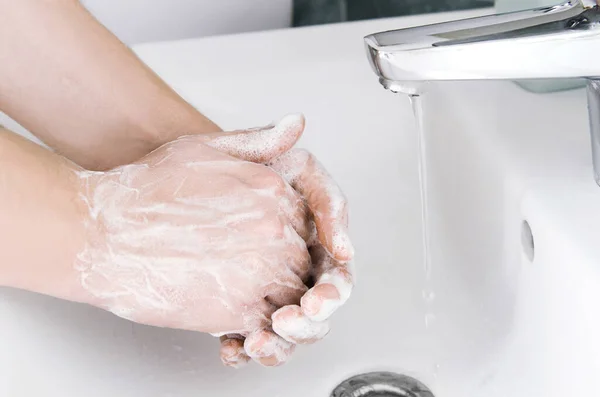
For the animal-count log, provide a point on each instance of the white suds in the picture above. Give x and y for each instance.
(304, 172)
(329, 306)
(233, 354)
(273, 347)
(191, 238)
(293, 326)
(261, 144)
(195, 250)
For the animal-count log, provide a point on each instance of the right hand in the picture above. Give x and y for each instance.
(191, 237)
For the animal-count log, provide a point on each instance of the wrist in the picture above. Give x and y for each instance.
(173, 119)
(144, 130)
(41, 230)
(95, 199)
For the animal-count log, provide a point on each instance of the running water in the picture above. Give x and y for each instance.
(428, 294)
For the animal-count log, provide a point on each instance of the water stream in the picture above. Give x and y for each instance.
(428, 293)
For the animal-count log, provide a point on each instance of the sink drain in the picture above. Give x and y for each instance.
(381, 384)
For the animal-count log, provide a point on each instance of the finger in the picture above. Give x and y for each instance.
(293, 325)
(297, 258)
(285, 290)
(323, 196)
(267, 348)
(232, 351)
(301, 264)
(334, 283)
(259, 316)
(273, 187)
(296, 211)
(259, 145)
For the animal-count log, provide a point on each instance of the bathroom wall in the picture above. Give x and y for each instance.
(136, 21)
(312, 12)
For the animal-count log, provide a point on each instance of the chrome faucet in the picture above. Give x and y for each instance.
(561, 41)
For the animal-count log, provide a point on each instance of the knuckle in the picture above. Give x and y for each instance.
(300, 262)
(254, 342)
(278, 183)
(301, 154)
(273, 227)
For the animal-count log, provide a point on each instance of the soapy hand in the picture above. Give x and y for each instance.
(330, 250)
(200, 235)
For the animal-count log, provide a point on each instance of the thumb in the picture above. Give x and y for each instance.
(258, 145)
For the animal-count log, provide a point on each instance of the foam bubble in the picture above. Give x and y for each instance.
(292, 325)
(260, 145)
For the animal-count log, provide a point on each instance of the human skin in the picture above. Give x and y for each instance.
(189, 237)
(71, 83)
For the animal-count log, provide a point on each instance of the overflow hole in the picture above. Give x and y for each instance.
(527, 241)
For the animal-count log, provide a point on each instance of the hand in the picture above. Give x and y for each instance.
(190, 237)
(306, 323)
(330, 251)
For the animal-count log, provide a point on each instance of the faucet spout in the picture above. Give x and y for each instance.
(593, 92)
(561, 41)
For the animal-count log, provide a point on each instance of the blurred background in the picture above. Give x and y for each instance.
(310, 12)
(138, 21)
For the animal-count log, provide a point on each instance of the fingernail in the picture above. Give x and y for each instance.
(265, 344)
(331, 292)
(233, 354)
(236, 362)
(287, 122)
(321, 302)
(291, 324)
(255, 342)
(292, 120)
(270, 361)
(279, 354)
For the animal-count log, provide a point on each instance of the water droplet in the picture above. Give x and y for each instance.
(428, 295)
(436, 370)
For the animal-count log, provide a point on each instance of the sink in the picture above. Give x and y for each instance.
(514, 218)
(514, 215)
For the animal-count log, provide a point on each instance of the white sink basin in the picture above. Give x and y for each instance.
(502, 325)
(500, 156)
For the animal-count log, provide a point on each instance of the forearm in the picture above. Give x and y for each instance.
(41, 227)
(68, 80)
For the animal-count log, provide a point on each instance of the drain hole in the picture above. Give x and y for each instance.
(527, 241)
(381, 384)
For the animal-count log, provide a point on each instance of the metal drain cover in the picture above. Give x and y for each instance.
(381, 384)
